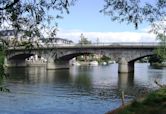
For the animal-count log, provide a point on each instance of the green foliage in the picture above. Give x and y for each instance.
(143, 60)
(1, 55)
(161, 50)
(32, 15)
(80, 58)
(155, 59)
(27, 45)
(154, 103)
(156, 97)
(105, 58)
(84, 40)
(36, 15)
(135, 11)
(2, 72)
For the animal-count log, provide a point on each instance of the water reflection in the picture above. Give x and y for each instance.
(90, 78)
(83, 81)
(39, 75)
(76, 91)
(156, 74)
(58, 76)
(27, 75)
(125, 80)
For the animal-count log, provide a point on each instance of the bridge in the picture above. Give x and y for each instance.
(58, 56)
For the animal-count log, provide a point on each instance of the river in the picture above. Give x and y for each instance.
(79, 90)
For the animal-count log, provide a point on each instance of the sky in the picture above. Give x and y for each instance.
(85, 18)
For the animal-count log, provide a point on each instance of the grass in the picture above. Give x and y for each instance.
(154, 103)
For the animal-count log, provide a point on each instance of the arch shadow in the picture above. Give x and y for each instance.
(20, 56)
(132, 61)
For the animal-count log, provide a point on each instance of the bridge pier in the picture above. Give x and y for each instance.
(125, 67)
(14, 63)
(59, 64)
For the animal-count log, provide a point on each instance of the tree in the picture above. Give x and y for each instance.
(105, 58)
(84, 40)
(135, 11)
(31, 15)
(2, 70)
(161, 50)
(155, 59)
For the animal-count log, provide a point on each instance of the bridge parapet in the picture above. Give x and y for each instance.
(109, 44)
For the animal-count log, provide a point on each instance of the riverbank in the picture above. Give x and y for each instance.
(2, 72)
(1, 62)
(153, 103)
(158, 64)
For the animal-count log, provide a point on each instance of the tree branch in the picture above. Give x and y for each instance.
(10, 5)
(160, 85)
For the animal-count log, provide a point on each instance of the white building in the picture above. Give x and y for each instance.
(12, 36)
(54, 41)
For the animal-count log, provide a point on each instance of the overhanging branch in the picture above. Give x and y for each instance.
(10, 5)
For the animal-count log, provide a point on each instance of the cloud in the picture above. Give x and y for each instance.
(107, 37)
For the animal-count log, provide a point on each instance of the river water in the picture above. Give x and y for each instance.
(79, 90)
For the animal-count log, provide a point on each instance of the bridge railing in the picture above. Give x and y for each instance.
(108, 44)
(124, 43)
(116, 44)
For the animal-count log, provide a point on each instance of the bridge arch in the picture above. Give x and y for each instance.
(135, 59)
(22, 56)
(69, 55)
(17, 59)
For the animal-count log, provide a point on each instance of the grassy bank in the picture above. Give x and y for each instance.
(154, 103)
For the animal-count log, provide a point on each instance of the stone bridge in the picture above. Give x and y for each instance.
(58, 56)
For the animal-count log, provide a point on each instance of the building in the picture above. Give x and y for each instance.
(15, 38)
(54, 41)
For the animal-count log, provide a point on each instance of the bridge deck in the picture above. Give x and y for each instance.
(87, 46)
